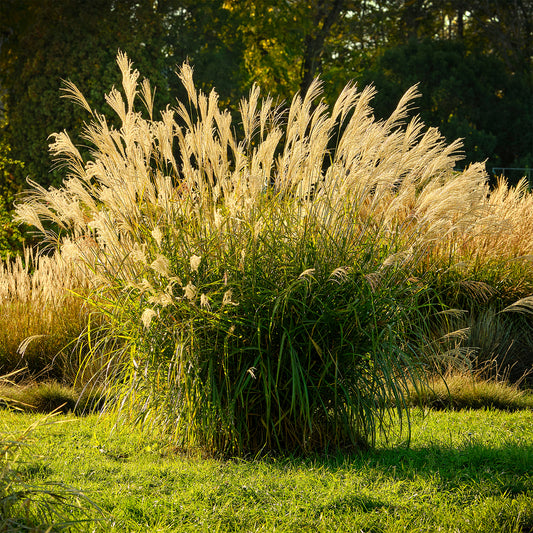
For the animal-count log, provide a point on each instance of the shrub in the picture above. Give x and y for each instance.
(264, 287)
(11, 239)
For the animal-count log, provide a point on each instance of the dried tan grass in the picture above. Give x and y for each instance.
(469, 391)
(40, 314)
(504, 228)
(46, 280)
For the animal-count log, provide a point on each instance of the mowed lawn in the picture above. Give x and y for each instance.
(465, 471)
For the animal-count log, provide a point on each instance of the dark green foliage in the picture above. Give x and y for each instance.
(303, 360)
(48, 41)
(11, 238)
(465, 93)
(474, 67)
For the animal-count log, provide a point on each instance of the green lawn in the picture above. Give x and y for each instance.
(465, 471)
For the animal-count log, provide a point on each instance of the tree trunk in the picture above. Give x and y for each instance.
(460, 23)
(327, 13)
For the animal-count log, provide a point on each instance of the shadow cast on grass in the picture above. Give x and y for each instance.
(507, 468)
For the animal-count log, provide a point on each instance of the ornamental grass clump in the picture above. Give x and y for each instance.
(40, 316)
(488, 275)
(262, 286)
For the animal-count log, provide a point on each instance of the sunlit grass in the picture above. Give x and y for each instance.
(465, 471)
(36, 505)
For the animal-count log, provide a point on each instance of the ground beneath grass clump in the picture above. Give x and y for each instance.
(465, 471)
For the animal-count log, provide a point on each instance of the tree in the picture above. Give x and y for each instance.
(282, 46)
(325, 15)
(504, 28)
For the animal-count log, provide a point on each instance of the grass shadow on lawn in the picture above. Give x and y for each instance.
(433, 487)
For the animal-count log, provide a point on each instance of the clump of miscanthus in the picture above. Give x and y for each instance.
(262, 285)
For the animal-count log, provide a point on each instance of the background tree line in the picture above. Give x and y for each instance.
(472, 59)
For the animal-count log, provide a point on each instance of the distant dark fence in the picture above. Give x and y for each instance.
(514, 175)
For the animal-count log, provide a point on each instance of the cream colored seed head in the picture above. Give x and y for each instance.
(161, 265)
(190, 291)
(195, 261)
(147, 316)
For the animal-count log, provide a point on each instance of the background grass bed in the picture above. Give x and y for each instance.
(465, 471)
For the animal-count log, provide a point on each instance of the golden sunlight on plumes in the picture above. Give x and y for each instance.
(41, 311)
(385, 177)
